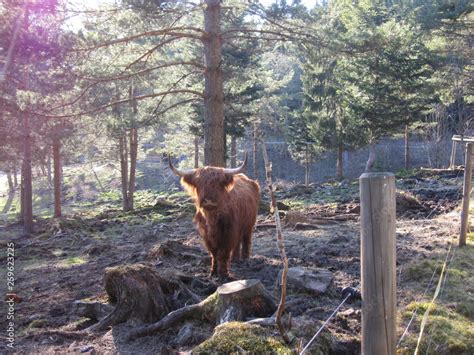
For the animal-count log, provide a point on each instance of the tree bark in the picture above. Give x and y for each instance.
(15, 178)
(43, 168)
(27, 197)
(133, 168)
(233, 151)
(49, 170)
(306, 167)
(255, 150)
(22, 195)
(124, 169)
(57, 176)
(214, 92)
(340, 162)
(11, 187)
(372, 156)
(133, 137)
(407, 147)
(196, 152)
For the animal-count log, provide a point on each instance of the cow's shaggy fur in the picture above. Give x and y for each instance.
(226, 212)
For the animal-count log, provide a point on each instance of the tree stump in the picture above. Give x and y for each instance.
(233, 301)
(139, 294)
(242, 299)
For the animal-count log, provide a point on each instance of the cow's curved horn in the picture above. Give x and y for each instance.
(179, 172)
(239, 169)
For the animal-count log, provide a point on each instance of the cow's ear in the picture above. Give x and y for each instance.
(189, 183)
(228, 181)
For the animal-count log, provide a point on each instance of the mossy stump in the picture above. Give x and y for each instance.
(140, 294)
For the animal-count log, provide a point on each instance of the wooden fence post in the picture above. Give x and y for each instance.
(466, 194)
(378, 269)
(452, 159)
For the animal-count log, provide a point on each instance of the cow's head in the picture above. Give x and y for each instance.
(208, 185)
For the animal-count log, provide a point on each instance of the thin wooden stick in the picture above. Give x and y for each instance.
(280, 244)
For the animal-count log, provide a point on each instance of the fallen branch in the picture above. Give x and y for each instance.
(265, 226)
(305, 226)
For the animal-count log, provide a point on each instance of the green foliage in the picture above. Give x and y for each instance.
(386, 76)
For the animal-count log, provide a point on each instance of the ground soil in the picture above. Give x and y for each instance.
(64, 262)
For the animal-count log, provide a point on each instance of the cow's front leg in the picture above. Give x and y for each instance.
(213, 265)
(236, 253)
(223, 257)
(214, 262)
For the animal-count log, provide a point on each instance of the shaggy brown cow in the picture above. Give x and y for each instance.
(226, 211)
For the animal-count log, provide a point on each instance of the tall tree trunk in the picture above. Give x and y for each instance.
(306, 166)
(15, 177)
(233, 151)
(340, 162)
(27, 177)
(22, 195)
(196, 152)
(214, 92)
(255, 150)
(226, 155)
(10, 181)
(124, 169)
(462, 122)
(133, 168)
(48, 166)
(372, 156)
(43, 170)
(57, 176)
(133, 138)
(407, 147)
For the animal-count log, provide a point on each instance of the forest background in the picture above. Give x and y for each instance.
(335, 89)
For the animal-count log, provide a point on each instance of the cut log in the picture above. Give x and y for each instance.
(233, 301)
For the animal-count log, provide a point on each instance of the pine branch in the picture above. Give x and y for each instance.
(119, 102)
(175, 31)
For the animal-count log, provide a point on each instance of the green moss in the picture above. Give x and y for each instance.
(406, 173)
(237, 337)
(449, 329)
(446, 331)
(74, 260)
(422, 271)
